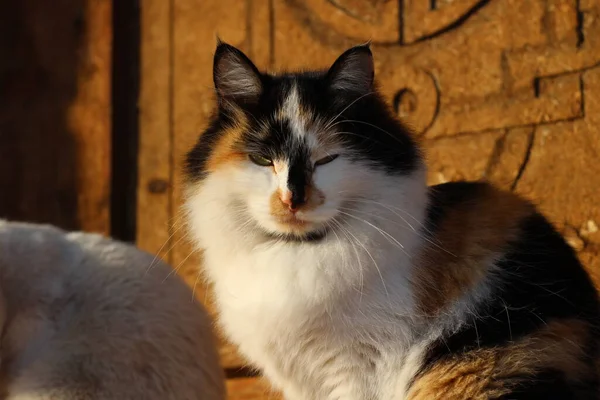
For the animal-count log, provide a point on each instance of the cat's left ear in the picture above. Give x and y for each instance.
(236, 78)
(353, 71)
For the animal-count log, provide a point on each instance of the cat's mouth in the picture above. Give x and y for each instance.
(294, 225)
(297, 230)
(286, 226)
(298, 227)
(293, 220)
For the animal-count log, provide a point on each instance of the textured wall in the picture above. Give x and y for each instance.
(503, 90)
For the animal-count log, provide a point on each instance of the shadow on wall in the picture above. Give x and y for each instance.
(39, 48)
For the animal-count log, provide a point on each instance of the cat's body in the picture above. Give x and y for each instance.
(340, 275)
(88, 318)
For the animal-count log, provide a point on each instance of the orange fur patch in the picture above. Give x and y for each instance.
(278, 208)
(469, 236)
(489, 373)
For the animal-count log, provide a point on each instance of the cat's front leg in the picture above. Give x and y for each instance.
(292, 393)
(348, 391)
(332, 388)
(278, 382)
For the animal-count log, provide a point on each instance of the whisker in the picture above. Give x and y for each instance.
(157, 255)
(367, 138)
(416, 231)
(371, 125)
(392, 207)
(383, 233)
(476, 332)
(343, 230)
(332, 120)
(373, 259)
(174, 270)
(392, 211)
(194, 288)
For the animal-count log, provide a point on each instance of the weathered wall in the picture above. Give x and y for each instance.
(55, 69)
(503, 90)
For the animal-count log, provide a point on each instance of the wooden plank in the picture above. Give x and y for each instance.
(192, 104)
(154, 158)
(193, 48)
(55, 76)
(89, 118)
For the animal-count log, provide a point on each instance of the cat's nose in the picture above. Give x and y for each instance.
(292, 200)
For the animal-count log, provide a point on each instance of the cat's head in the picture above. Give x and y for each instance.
(288, 153)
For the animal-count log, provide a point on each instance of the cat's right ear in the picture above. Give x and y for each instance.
(235, 76)
(353, 71)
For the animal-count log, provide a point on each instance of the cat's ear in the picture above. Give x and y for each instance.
(236, 78)
(353, 71)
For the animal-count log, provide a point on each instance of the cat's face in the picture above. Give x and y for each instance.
(292, 154)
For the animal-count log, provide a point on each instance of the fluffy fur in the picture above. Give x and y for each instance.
(340, 275)
(84, 318)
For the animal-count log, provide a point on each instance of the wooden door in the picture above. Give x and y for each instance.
(503, 90)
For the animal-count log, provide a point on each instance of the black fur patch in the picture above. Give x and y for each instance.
(541, 280)
(314, 236)
(549, 385)
(298, 176)
(197, 157)
(444, 197)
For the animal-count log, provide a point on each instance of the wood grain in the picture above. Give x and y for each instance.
(55, 76)
(89, 118)
(154, 159)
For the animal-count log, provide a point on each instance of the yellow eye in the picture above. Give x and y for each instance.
(260, 160)
(326, 160)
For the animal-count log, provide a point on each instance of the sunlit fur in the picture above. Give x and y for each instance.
(348, 296)
(84, 317)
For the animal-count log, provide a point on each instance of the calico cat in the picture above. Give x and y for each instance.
(88, 318)
(341, 275)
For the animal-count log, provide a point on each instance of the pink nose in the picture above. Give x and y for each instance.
(287, 200)
(293, 202)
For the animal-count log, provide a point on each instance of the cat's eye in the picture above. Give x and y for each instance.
(260, 160)
(326, 160)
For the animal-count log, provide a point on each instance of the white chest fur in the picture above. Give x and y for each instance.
(327, 320)
(290, 313)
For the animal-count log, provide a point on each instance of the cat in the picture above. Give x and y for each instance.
(89, 318)
(340, 275)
